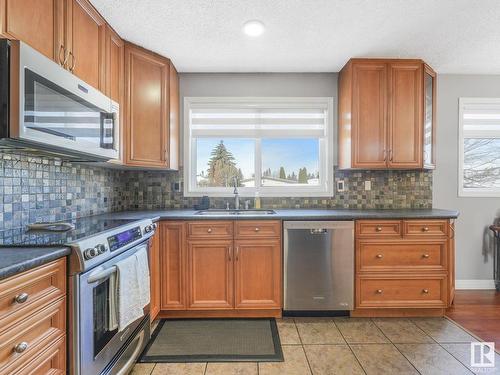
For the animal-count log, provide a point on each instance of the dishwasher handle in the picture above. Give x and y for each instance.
(318, 231)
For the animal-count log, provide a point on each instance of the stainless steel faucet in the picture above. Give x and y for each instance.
(236, 194)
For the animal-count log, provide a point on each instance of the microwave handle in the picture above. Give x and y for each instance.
(101, 274)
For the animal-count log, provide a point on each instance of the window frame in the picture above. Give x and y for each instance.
(478, 134)
(326, 151)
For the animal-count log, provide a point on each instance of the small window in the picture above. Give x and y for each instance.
(479, 148)
(273, 146)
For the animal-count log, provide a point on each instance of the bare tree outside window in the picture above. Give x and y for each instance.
(481, 163)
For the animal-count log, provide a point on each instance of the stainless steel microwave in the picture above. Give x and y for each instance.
(47, 109)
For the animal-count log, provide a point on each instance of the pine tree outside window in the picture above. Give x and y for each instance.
(274, 146)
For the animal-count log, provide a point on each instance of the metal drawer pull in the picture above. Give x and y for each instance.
(425, 291)
(380, 256)
(425, 229)
(425, 256)
(378, 229)
(379, 291)
(21, 298)
(237, 253)
(21, 347)
(229, 250)
(209, 230)
(257, 229)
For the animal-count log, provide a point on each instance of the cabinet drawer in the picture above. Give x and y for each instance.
(50, 361)
(425, 228)
(254, 229)
(210, 229)
(402, 256)
(38, 331)
(385, 228)
(422, 291)
(22, 294)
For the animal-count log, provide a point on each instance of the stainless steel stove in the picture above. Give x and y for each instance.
(98, 243)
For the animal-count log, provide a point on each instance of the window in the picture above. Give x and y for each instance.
(479, 148)
(273, 146)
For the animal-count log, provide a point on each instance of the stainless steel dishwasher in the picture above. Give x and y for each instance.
(319, 265)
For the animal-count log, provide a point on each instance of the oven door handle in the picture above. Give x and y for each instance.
(101, 274)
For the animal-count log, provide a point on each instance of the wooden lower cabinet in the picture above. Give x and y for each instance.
(210, 270)
(409, 272)
(257, 274)
(154, 265)
(207, 270)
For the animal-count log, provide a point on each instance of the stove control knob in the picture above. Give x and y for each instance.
(100, 248)
(149, 228)
(90, 253)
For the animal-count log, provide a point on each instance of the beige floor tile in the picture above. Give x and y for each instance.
(462, 352)
(402, 331)
(143, 369)
(318, 331)
(442, 330)
(295, 363)
(288, 331)
(179, 369)
(432, 359)
(384, 359)
(360, 331)
(332, 359)
(241, 368)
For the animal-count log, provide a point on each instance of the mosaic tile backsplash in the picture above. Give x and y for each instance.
(35, 189)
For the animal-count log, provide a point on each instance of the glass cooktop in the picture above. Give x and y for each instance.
(83, 227)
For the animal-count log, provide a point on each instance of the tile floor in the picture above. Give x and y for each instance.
(351, 346)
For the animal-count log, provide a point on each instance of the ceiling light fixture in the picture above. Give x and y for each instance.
(253, 28)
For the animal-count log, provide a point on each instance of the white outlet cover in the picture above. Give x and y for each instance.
(368, 185)
(340, 186)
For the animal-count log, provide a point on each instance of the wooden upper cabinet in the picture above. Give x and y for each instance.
(39, 23)
(386, 113)
(114, 65)
(174, 109)
(369, 115)
(210, 274)
(146, 117)
(257, 274)
(405, 115)
(86, 32)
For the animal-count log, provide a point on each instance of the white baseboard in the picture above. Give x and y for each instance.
(474, 284)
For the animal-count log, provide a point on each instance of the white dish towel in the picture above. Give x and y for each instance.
(130, 307)
(143, 276)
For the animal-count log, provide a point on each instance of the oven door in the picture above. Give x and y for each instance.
(98, 344)
(56, 108)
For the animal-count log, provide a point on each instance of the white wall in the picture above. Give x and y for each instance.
(474, 245)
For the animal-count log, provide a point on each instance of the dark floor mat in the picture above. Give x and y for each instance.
(214, 340)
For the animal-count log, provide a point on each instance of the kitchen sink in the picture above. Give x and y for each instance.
(216, 212)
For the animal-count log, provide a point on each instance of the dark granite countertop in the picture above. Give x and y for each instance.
(15, 260)
(294, 214)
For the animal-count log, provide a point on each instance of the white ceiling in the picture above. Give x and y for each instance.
(453, 36)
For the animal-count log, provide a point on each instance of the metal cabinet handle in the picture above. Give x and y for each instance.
(229, 251)
(21, 298)
(425, 291)
(209, 230)
(64, 60)
(390, 155)
(73, 62)
(257, 229)
(379, 291)
(378, 229)
(425, 229)
(21, 347)
(379, 256)
(237, 253)
(425, 256)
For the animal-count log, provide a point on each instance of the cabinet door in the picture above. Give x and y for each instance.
(174, 157)
(86, 39)
(210, 274)
(405, 115)
(429, 117)
(154, 265)
(257, 270)
(39, 23)
(146, 108)
(114, 66)
(173, 266)
(369, 103)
